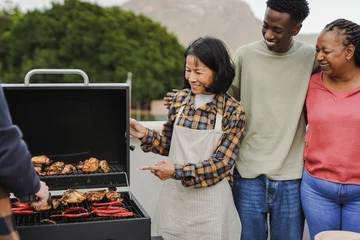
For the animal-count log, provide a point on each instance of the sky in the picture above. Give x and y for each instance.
(322, 12)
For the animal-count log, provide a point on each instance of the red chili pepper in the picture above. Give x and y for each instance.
(20, 208)
(107, 204)
(21, 205)
(110, 211)
(75, 209)
(23, 212)
(123, 214)
(107, 208)
(71, 215)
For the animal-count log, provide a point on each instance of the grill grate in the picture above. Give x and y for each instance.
(114, 169)
(116, 177)
(41, 218)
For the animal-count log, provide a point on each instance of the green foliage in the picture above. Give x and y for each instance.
(106, 43)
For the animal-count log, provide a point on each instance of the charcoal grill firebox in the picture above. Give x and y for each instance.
(71, 123)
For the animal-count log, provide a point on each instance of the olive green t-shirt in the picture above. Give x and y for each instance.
(272, 87)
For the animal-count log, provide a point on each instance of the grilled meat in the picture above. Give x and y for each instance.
(55, 203)
(113, 196)
(42, 159)
(72, 196)
(55, 168)
(91, 165)
(46, 206)
(68, 169)
(40, 171)
(104, 166)
(38, 165)
(95, 196)
(80, 165)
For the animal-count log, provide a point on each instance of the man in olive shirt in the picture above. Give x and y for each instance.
(272, 77)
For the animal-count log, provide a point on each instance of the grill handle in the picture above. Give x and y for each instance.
(56, 71)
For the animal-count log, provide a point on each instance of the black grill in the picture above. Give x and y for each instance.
(71, 123)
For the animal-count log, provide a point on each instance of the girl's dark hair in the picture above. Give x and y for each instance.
(213, 53)
(297, 9)
(351, 31)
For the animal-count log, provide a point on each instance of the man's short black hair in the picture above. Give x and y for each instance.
(298, 9)
(213, 53)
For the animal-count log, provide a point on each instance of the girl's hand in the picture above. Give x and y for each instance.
(163, 170)
(136, 129)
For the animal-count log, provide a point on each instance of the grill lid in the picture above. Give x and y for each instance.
(73, 122)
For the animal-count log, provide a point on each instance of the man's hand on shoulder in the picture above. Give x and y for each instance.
(169, 97)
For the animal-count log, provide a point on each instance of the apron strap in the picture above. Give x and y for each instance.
(178, 115)
(218, 123)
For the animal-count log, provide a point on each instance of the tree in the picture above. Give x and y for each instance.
(104, 42)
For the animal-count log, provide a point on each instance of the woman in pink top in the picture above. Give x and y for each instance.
(330, 189)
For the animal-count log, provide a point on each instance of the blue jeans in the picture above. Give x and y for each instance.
(329, 205)
(257, 198)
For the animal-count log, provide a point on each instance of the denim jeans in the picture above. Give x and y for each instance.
(257, 198)
(329, 205)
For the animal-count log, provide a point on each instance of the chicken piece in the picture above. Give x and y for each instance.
(55, 203)
(39, 171)
(72, 196)
(42, 159)
(91, 165)
(55, 169)
(113, 196)
(80, 165)
(45, 207)
(95, 196)
(50, 203)
(68, 169)
(38, 165)
(104, 166)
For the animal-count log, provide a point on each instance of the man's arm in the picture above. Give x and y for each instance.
(17, 173)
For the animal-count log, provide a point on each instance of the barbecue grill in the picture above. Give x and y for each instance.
(71, 123)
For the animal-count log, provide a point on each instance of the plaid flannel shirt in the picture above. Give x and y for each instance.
(209, 171)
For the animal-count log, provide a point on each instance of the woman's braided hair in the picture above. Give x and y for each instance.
(351, 31)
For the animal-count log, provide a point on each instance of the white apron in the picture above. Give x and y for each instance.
(196, 214)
